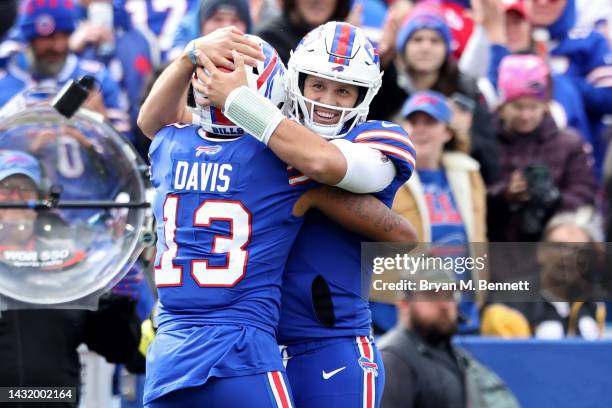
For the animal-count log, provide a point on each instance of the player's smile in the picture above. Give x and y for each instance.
(326, 116)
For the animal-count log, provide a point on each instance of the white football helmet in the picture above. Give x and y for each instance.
(268, 78)
(340, 52)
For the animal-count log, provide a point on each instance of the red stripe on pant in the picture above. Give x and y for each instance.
(368, 353)
(280, 390)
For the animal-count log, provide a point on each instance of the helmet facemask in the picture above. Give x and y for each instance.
(303, 109)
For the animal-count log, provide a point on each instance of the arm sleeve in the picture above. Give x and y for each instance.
(393, 141)
(367, 169)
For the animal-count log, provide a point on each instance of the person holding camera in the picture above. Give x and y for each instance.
(543, 169)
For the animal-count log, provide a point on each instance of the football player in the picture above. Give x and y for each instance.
(333, 75)
(228, 211)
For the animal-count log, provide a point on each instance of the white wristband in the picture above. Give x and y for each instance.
(253, 112)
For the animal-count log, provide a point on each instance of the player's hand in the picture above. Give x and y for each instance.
(217, 84)
(218, 46)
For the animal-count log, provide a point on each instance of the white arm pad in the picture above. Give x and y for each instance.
(253, 112)
(367, 169)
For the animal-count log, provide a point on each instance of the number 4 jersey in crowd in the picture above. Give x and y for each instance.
(225, 227)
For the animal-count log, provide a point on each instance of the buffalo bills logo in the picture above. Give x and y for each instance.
(368, 366)
(200, 150)
(338, 68)
(44, 25)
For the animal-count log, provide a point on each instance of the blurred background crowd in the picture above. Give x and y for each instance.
(508, 104)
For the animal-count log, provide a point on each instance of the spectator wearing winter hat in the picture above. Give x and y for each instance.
(45, 26)
(423, 47)
(544, 169)
(515, 34)
(211, 15)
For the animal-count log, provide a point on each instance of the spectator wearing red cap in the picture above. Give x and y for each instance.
(518, 27)
(537, 158)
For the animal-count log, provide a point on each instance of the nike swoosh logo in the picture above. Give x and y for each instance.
(388, 124)
(327, 376)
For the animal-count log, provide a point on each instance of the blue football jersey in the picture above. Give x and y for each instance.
(339, 306)
(225, 228)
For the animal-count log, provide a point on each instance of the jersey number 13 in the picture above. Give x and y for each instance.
(232, 245)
